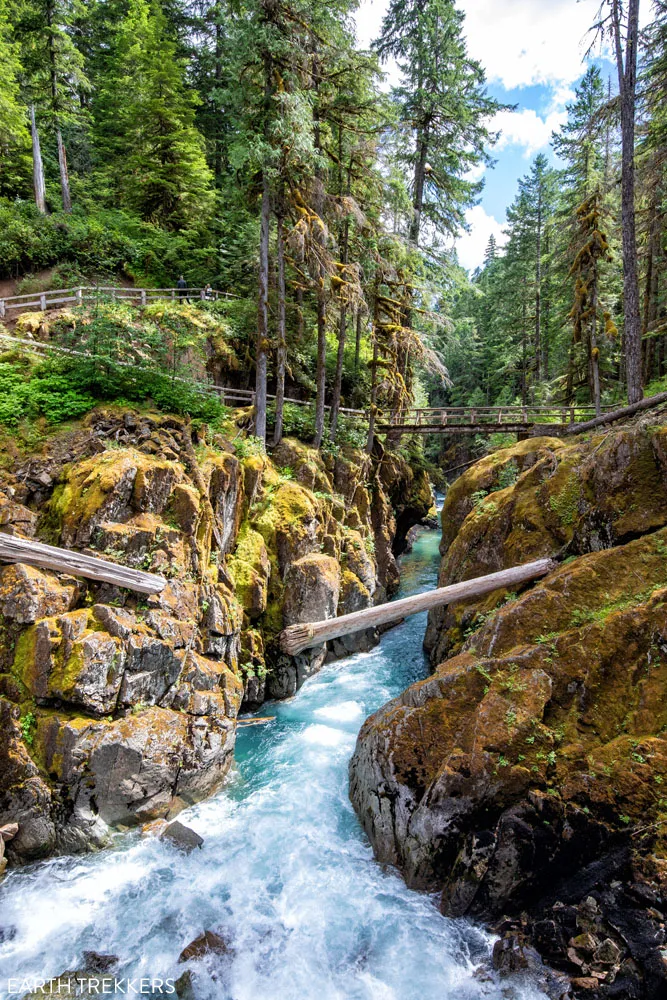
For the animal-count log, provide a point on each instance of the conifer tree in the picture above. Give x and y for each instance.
(55, 75)
(13, 114)
(148, 148)
(443, 110)
(622, 25)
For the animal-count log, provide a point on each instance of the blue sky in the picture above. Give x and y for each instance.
(534, 54)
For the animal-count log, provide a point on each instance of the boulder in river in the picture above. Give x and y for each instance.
(208, 943)
(182, 836)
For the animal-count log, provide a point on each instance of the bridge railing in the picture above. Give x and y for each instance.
(512, 415)
(58, 297)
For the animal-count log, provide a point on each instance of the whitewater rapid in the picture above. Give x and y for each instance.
(285, 874)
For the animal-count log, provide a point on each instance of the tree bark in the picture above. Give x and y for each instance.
(373, 407)
(651, 289)
(546, 311)
(338, 379)
(342, 335)
(538, 288)
(419, 179)
(627, 79)
(62, 155)
(300, 321)
(217, 158)
(261, 358)
(64, 173)
(524, 349)
(295, 638)
(33, 553)
(595, 352)
(281, 355)
(37, 165)
(357, 341)
(321, 376)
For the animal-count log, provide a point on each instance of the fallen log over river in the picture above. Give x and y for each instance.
(25, 550)
(296, 638)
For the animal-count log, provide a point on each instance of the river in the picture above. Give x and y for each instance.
(285, 873)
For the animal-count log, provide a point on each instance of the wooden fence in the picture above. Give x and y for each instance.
(91, 293)
(228, 395)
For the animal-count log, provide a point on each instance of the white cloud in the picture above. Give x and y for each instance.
(525, 128)
(524, 42)
(470, 246)
(519, 42)
(369, 20)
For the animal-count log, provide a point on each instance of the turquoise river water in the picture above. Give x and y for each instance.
(286, 873)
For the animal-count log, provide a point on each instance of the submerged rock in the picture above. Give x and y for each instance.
(182, 836)
(208, 943)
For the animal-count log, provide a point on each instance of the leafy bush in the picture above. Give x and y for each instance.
(248, 446)
(64, 389)
(102, 243)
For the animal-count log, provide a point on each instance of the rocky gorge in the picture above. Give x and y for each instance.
(117, 709)
(524, 779)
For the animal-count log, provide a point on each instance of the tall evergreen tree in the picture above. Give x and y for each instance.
(147, 145)
(13, 113)
(622, 26)
(443, 110)
(54, 73)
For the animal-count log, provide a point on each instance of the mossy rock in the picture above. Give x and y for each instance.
(561, 693)
(577, 497)
(107, 487)
(250, 568)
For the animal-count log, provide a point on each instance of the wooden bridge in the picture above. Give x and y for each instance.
(528, 421)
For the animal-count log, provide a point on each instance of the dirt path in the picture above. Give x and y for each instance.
(8, 286)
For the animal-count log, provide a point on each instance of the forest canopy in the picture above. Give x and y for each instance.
(253, 145)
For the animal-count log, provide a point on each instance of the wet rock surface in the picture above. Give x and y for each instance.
(524, 779)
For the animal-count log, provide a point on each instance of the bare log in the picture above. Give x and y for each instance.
(25, 550)
(626, 411)
(37, 165)
(296, 638)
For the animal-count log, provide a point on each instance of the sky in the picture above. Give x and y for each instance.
(534, 54)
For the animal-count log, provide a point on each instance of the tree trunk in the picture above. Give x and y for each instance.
(342, 334)
(300, 322)
(37, 165)
(595, 352)
(321, 376)
(357, 341)
(627, 78)
(524, 350)
(374, 395)
(261, 361)
(64, 174)
(419, 178)
(295, 638)
(53, 73)
(569, 383)
(651, 290)
(281, 355)
(538, 288)
(546, 310)
(217, 157)
(338, 380)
